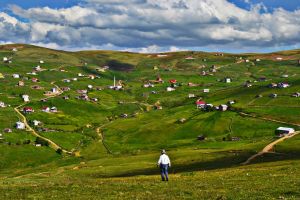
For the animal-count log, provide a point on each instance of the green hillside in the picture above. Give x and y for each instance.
(91, 145)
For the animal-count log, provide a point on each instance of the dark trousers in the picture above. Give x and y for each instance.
(164, 172)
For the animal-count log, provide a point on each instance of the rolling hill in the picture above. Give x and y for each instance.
(86, 135)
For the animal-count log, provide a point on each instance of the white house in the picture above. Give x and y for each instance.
(223, 107)
(2, 105)
(248, 85)
(170, 89)
(90, 86)
(227, 80)
(54, 90)
(94, 99)
(192, 96)
(92, 77)
(53, 109)
(37, 68)
(148, 85)
(5, 59)
(206, 90)
(46, 109)
(42, 62)
(36, 122)
(32, 73)
(25, 98)
(16, 76)
(283, 131)
(283, 85)
(20, 125)
(231, 102)
(67, 80)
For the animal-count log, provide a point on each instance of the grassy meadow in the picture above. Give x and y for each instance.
(116, 140)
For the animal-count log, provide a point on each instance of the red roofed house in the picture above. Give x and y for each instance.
(35, 80)
(28, 110)
(200, 104)
(46, 109)
(173, 81)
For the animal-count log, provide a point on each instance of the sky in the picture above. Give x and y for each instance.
(150, 26)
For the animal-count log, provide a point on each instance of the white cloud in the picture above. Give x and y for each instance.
(138, 24)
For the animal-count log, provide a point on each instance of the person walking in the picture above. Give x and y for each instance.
(164, 163)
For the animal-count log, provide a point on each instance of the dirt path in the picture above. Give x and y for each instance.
(52, 144)
(268, 119)
(269, 147)
(101, 136)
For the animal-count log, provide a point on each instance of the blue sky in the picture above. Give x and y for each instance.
(39, 3)
(153, 25)
(270, 4)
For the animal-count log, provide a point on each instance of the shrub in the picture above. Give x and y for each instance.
(41, 141)
(26, 142)
(59, 151)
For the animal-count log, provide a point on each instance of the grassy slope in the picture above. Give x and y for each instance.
(263, 181)
(135, 141)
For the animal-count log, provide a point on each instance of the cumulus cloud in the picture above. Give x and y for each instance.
(152, 25)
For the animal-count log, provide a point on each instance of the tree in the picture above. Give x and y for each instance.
(26, 142)
(41, 141)
(59, 151)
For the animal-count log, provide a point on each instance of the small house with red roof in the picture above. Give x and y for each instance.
(27, 110)
(46, 109)
(35, 80)
(173, 81)
(200, 104)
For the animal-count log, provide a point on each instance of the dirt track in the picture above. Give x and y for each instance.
(52, 144)
(269, 147)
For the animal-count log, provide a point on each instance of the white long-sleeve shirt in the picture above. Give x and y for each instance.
(164, 159)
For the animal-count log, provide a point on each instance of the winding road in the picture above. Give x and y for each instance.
(269, 147)
(52, 144)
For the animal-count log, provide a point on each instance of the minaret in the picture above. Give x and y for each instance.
(114, 81)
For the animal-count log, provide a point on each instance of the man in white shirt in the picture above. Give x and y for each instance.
(164, 163)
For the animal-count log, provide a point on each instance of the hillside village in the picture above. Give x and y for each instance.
(72, 101)
(83, 109)
(150, 99)
(172, 85)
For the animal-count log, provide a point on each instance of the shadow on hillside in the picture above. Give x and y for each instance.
(120, 66)
(274, 157)
(225, 162)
